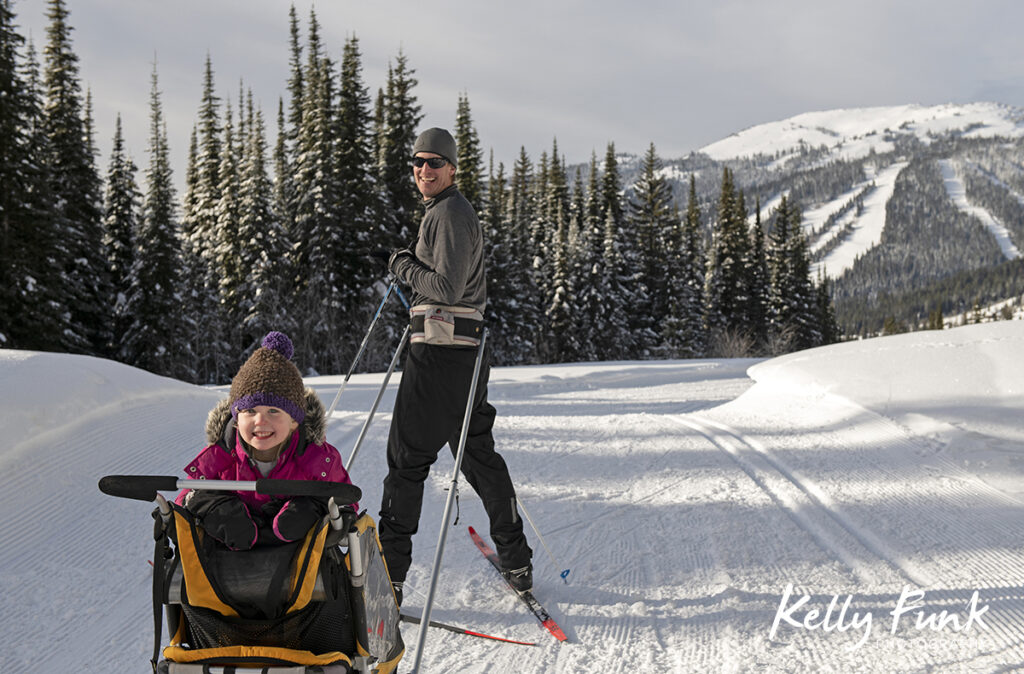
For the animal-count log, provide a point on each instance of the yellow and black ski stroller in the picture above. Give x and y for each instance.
(323, 604)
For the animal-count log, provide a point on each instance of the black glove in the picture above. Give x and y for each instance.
(298, 515)
(398, 255)
(224, 517)
(381, 256)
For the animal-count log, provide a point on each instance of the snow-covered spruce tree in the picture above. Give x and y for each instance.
(683, 332)
(264, 289)
(322, 293)
(726, 283)
(199, 240)
(758, 281)
(616, 338)
(652, 214)
(512, 308)
(359, 207)
(155, 292)
(77, 188)
(396, 120)
(120, 222)
(561, 302)
(539, 246)
(496, 256)
(552, 259)
(828, 326)
(227, 243)
(30, 314)
(589, 269)
(469, 177)
(396, 130)
(575, 346)
(792, 303)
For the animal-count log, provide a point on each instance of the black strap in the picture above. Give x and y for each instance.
(464, 327)
(160, 549)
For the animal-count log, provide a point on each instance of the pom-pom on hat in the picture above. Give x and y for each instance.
(270, 378)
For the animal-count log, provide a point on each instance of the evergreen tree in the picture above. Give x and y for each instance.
(512, 310)
(683, 331)
(77, 187)
(227, 243)
(358, 205)
(397, 118)
(652, 216)
(318, 236)
(551, 237)
(828, 327)
(589, 265)
(199, 232)
(30, 312)
(469, 177)
(757, 275)
(793, 305)
(153, 342)
(120, 222)
(263, 291)
(616, 338)
(726, 282)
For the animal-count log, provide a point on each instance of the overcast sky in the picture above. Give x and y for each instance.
(679, 74)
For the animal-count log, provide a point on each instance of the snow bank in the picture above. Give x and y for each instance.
(963, 388)
(42, 392)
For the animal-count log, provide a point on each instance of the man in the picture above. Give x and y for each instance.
(446, 273)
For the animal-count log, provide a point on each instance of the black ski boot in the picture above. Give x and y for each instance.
(521, 580)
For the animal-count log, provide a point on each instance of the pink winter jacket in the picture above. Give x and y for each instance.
(318, 460)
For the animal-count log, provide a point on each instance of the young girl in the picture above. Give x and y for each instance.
(269, 426)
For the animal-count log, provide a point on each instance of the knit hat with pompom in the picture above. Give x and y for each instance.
(270, 378)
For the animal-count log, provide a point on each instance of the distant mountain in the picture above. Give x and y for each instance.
(855, 133)
(910, 209)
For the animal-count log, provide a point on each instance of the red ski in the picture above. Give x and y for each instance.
(527, 597)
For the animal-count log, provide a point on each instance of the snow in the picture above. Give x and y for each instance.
(854, 133)
(958, 194)
(697, 503)
(866, 231)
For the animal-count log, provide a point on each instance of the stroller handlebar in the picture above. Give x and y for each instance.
(145, 487)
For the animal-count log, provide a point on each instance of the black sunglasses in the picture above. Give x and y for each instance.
(432, 162)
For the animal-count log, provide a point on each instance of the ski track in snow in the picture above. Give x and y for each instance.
(683, 500)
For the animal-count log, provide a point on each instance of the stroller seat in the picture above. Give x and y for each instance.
(321, 604)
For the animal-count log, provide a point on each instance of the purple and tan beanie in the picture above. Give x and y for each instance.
(270, 378)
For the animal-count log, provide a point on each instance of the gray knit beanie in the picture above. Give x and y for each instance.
(438, 141)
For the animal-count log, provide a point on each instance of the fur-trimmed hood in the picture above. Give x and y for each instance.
(220, 425)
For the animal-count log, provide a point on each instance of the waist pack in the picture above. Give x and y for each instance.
(446, 326)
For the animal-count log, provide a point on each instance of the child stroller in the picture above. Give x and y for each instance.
(321, 604)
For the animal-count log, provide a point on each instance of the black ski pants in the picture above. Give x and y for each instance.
(428, 413)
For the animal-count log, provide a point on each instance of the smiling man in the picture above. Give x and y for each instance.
(445, 270)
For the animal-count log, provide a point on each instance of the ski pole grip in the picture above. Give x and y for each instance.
(139, 487)
(342, 492)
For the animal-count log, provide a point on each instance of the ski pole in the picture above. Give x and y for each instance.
(362, 347)
(380, 394)
(565, 572)
(439, 553)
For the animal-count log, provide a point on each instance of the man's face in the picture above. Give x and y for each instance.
(432, 181)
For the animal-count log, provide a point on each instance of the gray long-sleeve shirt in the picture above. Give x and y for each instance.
(449, 264)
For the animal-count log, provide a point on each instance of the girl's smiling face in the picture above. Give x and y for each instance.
(265, 428)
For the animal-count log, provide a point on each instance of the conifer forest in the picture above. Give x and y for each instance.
(103, 255)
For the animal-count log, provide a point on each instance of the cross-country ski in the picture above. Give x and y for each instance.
(534, 606)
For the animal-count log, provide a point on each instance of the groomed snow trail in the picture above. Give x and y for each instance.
(686, 502)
